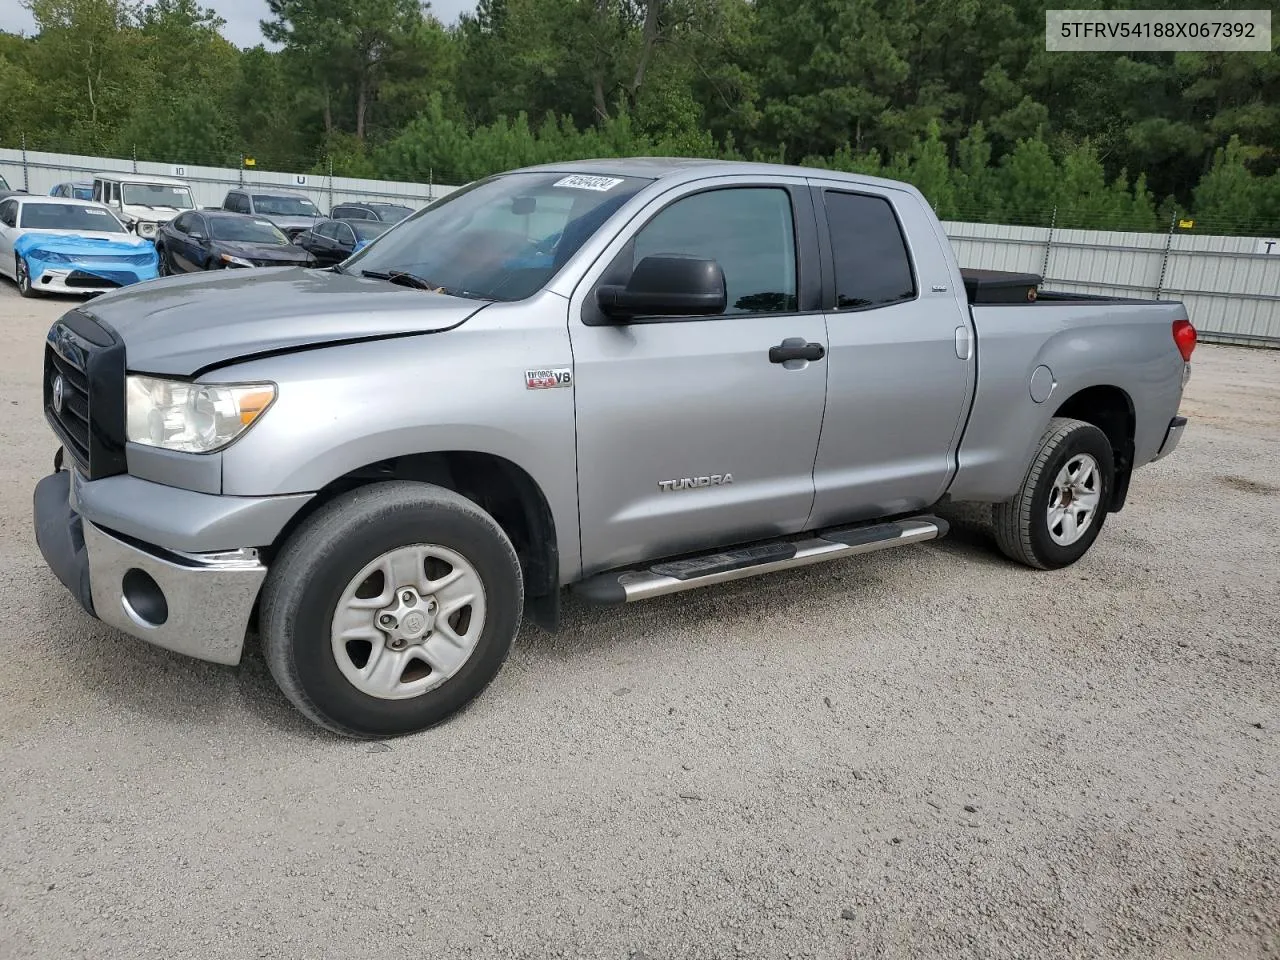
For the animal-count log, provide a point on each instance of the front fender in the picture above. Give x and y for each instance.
(346, 407)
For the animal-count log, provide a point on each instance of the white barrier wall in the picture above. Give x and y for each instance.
(209, 185)
(1231, 285)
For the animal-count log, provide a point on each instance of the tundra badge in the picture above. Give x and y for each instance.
(689, 483)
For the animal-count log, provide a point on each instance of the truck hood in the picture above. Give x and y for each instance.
(291, 223)
(183, 326)
(152, 214)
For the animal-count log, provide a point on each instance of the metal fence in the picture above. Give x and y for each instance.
(1230, 285)
(38, 172)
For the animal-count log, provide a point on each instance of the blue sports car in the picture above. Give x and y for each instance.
(56, 245)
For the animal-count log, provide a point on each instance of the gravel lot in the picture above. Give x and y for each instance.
(928, 752)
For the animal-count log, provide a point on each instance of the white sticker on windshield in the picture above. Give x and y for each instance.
(96, 212)
(580, 181)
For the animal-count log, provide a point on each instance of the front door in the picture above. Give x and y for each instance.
(689, 435)
(900, 365)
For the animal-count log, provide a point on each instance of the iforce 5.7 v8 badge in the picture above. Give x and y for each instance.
(548, 378)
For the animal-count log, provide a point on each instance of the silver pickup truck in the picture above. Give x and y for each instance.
(626, 377)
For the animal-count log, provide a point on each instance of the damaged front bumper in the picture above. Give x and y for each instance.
(196, 604)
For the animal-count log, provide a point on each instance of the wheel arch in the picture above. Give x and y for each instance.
(1111, 410)
(499, 486)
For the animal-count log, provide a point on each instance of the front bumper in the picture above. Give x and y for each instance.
(194, 604)
(73, 280)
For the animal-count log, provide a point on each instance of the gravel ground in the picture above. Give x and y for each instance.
(928, 752)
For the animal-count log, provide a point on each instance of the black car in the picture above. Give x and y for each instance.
(370, 210)
(208, 240)
(332, 241)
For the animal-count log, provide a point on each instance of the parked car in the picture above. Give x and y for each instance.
(207, 240)
(143, 202)
(55, 245)
(370, 210)
(6, 190)
(718, 370)
(332, 241)
(289, 210)
(74, 190)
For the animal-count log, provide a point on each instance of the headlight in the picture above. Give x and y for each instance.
(193, 417)
(231, 261)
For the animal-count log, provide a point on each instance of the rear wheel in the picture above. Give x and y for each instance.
(1063, 503)
(22, 276)
(390, 609)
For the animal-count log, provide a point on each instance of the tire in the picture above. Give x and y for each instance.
(1026, 530)
(163, 267)
(316, 573)
(22, 277)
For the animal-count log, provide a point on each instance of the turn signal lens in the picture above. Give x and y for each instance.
(1184, 335)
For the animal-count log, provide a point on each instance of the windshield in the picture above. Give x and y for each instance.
(69, 216)
(245, 230)
(284, 206)
(368, 229)
(156, 195)
(499, 239)
(82, 191)
(391, 212)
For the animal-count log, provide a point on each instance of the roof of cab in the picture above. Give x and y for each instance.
(694, 168)
(138, 178)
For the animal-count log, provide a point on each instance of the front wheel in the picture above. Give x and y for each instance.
(22, 276)
(390, 609)
(1060, 509)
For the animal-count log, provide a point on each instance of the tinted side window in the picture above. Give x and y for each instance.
(749, 231)
(873, 268)
(345, 234)
(182, 222)
(327, 230)
(8, 213)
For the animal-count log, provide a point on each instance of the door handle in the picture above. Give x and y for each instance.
(794, 348)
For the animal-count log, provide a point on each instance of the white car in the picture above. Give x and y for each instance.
(61, 245)
(143, 201)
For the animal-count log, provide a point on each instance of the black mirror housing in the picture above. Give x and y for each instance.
(666, 287)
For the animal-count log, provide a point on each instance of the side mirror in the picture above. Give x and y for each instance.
(197, 236)
(666, 287)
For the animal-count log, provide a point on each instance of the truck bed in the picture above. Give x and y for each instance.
(996, 288)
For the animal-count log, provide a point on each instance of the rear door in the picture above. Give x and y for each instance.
(689, 436)
(899, 381)
(8, 233)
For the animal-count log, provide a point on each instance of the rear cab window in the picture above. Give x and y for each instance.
(872, 262)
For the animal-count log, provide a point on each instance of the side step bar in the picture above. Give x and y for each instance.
(674, 576)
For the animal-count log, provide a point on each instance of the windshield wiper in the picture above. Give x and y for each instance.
(404, 278)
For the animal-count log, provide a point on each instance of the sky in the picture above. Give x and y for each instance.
(242, 17)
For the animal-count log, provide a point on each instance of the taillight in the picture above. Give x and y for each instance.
(1184, 335)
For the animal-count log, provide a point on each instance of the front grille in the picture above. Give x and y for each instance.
(99, 278)
(134, 259)
(84, 402)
